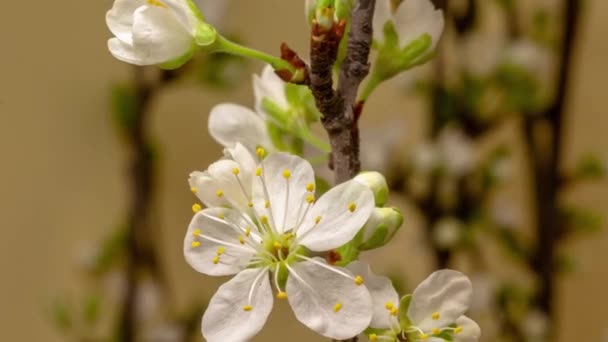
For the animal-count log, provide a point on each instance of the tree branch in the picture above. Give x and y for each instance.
(338, 107)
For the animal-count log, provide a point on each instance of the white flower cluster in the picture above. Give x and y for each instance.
(266, 223)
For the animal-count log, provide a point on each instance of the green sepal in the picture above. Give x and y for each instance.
(416, 49)
(195, 10)
(377, 239)
(205, 34)
(404, 305)
(386, 334)
(276, 113)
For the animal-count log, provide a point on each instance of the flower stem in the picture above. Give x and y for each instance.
(225, 45)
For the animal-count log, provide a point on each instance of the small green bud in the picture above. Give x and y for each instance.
(380, 228)
(377, 183)
(404, 305)
(205, 34)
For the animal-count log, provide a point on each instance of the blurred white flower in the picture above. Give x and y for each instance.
(269, 87)
(535, 325)
(166, 332)
(457, 151)
(269, 239)
(425, 158)
(148, 300)
(505, 213)
(536, 59)
(383, 142)
(152, 32)
(482, 52)
(447, 232)
(411, 20)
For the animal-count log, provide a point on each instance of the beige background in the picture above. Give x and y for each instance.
(62, 165)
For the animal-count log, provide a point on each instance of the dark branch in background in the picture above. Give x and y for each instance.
(141, 253)
(546, 163)
(338, 106)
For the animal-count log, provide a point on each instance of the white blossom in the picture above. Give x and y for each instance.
(149, 32)
(263, 224)
(231, 123)
(440, 301)
(411, 19)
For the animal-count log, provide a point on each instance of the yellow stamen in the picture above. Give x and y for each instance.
(261, 152)
(266, 204)
(250, 205)
(264, 219)
(394, 311)
(277, 245)
(236, 171)
(220, 250)
(195, 244)
(310, 187)
(435, 316)
(317, 219)
(423, 336)
(197, 232)
(221, 216)
(216, 259)
(389, 305)
(436, 331)
(258, 171)
(457, 330)
(373, 337)
(219, 193)
(286, 174)
(352, 207)
(310, 199)
(247, 231)
(241, 239)
(247, 308)
(358, 280)
(282, 295)
(193, 190)
(196, 207)
(337, 307)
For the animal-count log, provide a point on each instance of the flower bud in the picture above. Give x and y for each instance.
(377, 183)
(380, 228)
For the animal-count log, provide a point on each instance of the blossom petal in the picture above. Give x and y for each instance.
(206, 188)
(124, 52)
(231, 123)
(231, 184)
(158, 36)
(341, 212)
(414, 18)
(246, 161)
(382, 291)
(183, 13)
(239, 308)
(120, 19)
(445, 292)
(382, 14)
(327, 302)
(269, 86)
(470, 331)
(284, 183)
(209, 236)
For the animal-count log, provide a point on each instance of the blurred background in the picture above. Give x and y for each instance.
(67, 180)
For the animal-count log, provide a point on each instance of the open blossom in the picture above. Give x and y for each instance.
(436, 308)
(149, 32)
(262, 226)
(411, 20)
(231, 123)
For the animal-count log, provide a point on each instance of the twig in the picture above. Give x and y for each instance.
(338, 107)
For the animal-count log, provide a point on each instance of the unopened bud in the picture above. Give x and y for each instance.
(377, 183)
(380, 228)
